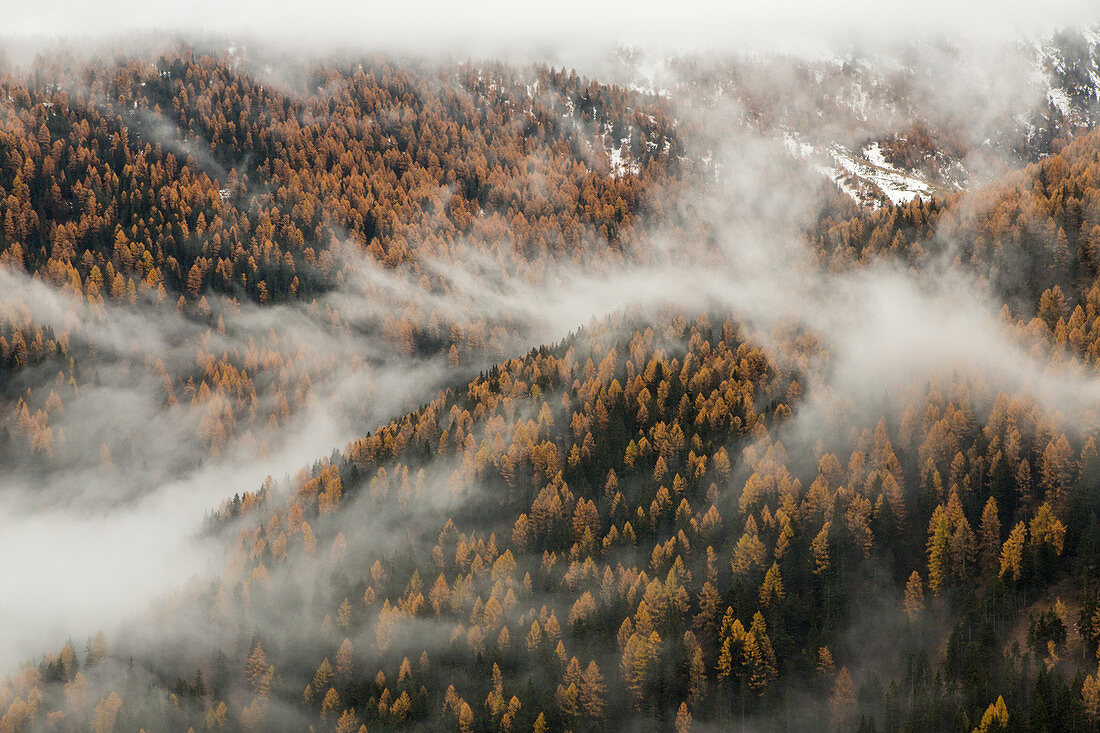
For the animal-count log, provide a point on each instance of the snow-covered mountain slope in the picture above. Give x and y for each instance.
(1070, 64)
(852, 117)
(865, 174)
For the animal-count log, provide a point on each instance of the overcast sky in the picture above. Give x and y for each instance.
(493, 27)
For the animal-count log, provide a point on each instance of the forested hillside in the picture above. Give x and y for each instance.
(185, 180)
(692, 510)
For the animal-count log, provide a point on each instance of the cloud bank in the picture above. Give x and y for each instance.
(552, 30)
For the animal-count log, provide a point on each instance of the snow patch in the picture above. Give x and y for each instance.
(796, 147)
(619, 164)
(1061, 100)
(896, 185)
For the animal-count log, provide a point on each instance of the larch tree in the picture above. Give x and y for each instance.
(683, 719)
(843, 700)
(913, 602)
(1012, 552)
(1090, 697)
(256, 667)
(989, 542)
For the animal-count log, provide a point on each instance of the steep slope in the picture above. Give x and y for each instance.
(888, 125)
(366, 195)
(673, 518)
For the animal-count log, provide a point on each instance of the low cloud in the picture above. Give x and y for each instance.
(497, 27)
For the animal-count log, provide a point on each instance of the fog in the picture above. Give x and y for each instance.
(98, 545)
(108, 542)
(497, 27)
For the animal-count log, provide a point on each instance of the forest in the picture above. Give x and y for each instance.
(603, 425)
